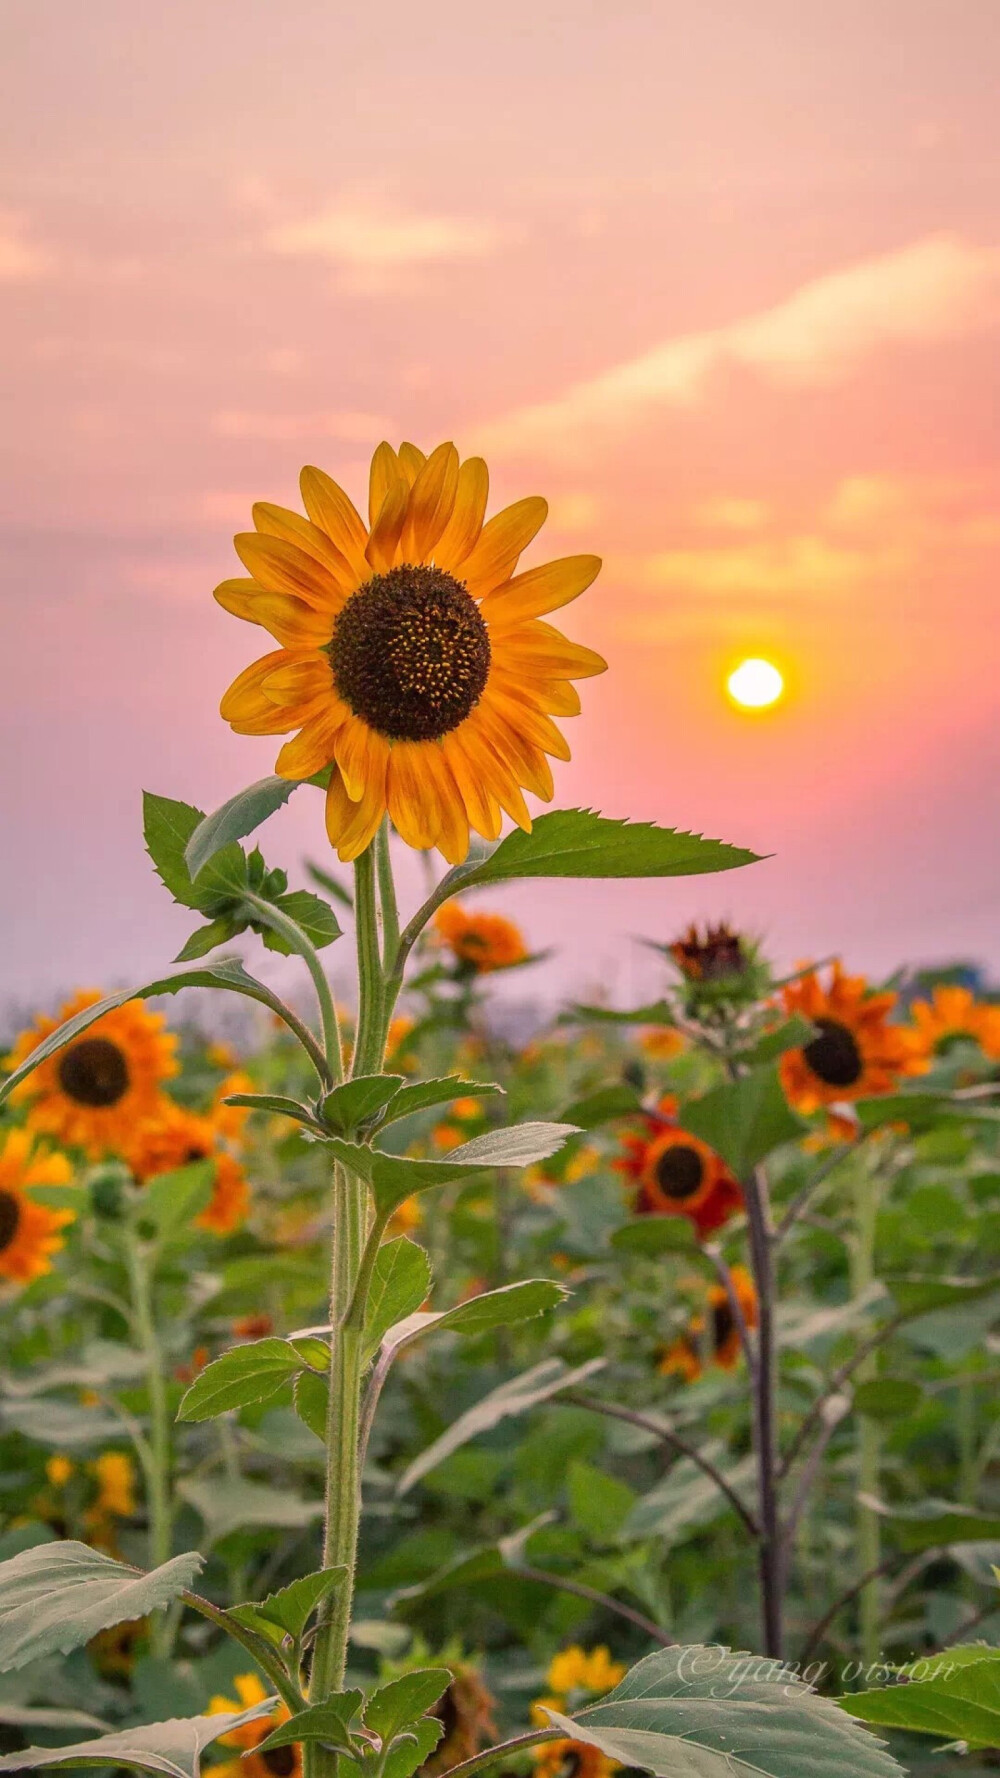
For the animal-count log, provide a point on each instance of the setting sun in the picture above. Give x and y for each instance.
(755, 684)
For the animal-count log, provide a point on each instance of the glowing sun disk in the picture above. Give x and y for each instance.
(755, 684)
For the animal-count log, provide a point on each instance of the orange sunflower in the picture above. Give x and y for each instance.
(94, 1093)
(479, 943)
(717, 1330)
(29, 1232)
(575, 1677)
(176, 1138)
(412, 658)
(856, 1053)
(677, 1174)
(952, 1013)
(282, 1762)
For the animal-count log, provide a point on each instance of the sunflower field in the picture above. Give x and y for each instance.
(384, 1395)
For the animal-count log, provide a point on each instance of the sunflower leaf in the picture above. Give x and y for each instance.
(316, 918)
(237, 818)
(395, 1177)
(289, 1610)
(582, 843)
(167, 828)
(955, 1697)
(244, 1374)
(532, 1387)
(56, 1596)
(172, 1748)
(400, 1282)
(743, 1120)
(422, 1094)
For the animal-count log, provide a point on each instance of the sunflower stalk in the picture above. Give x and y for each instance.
(156, 1453)
(869, 1447)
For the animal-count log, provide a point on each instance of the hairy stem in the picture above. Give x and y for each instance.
(159, 1461)
(869, 1552)
(765, 1388)
(296, 939)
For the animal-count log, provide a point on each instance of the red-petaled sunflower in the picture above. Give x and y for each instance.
(176, 1138)
(412, 657)
(94, 1093)
(478, 942)
(280, 1762)
(679, 1175)
(952, 1013)
(856, 1053)
(29, 1232)
(717, 1331)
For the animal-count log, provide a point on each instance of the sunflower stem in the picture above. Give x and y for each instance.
(765, 1392)
(869, 1446)
(158, 1464)
(295, 938)
(369, 1048)
(387, 897)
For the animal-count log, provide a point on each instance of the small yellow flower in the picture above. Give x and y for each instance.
(574, 1670)
(467, 1109)
(284, 1762)
(58, 1470)
(115, 1474)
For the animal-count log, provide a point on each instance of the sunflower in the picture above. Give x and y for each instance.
(177, 1138)
(94, 1093)
(677, 1174)
(479, 943)
(953, 1013)
(282, 1762)
(575, 1677)
(856, 1053)
(412, 658)
(29, 1232)
(717, 1329)
(716, 957)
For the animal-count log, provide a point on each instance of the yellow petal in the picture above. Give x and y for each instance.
(291, 527)
(411, 461)
(385, 470)
(352, 826)
(412, 794)
(540, 589)
(388, 528)
(462, 531)
(432, 501)
(311, 750)
(482, 809)
(525, 721)
(540, 648)
(289, 620)
(335, 513)
(285, 568)
(295, 681)
(245, 702)
(495, 556)
(479, 740)
(362, 755)
(453, 835)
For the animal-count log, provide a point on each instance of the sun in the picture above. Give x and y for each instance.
(755, 684)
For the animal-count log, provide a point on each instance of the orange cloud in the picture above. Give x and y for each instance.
(936, 289)
(363, 239)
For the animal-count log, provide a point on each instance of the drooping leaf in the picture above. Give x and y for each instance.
(401, 1280)
(541, 1383)
(244, 1374)
(56, 1596)
(399, 1704)
(230, 1503)
(237, 818)
(933, 1524)
(954, 1696)
(289, 1610)
(504, 1307)
(581, 843)
(316, 918)
(355, 1101)
(709, 1713)
(278, 1105)
(329, 1723)
(616, 1100)
(743, 1120)
(395, 1177)
(424, 1093)
(172, 1748)
(62, 1425)
(208, 938)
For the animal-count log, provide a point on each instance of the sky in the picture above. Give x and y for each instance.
(722, 282)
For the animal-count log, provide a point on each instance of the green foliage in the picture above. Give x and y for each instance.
(743, 1120)
(395, 1177)
(55, 1597)
(172, 1748)
(241, 815)
(358, 1100)
(286, 1613)
(400, 1282)
(242, 1375)
(581, 843)
(954, 1697)
(543, 1381)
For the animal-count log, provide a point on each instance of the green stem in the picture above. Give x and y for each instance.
(369, 1048)
(869, 1552)
(159, 1464)
(387, 897)
(297, 941)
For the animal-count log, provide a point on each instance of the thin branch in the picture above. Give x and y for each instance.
(815, 1415)
(725, 1277)
(819, 1630)
(802, 1198)
(808, 1477)
(971, 1623)
(593, 1597)
(668, 1437)
(468, 1766)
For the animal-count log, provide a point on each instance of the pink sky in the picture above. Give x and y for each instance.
(722, 282)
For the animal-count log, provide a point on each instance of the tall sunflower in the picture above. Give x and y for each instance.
(94, 1093)
(29, 1232)
(412, 658)
(856, 1053)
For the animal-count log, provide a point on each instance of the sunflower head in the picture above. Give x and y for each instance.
(29, 1232)
(718, 968)
(479, 943)
(713, 1336)
(413, 659)
(176, 1138)
(279, 1762)
(676, 1174)
(953, 1015)
(856, 1052)
(94, 1093)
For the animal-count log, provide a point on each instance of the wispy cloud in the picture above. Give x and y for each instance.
(936, 289)
(351, 428)
(363, 238)
(20, 258)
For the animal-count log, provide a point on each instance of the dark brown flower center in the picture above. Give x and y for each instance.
(10, 1218)
(679, 1171)
(834, 1055)
(723, 1324)
(94, 1073)
(410, 654)
(280, 1760)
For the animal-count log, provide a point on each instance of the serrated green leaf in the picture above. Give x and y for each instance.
(743, 1120)
(312, 1399)
(395, 1177)
(424, 1093)
(208, 938)
(355, 1101)
(173, 1748)
(328, 1723)
(541, 1383)
(56, 1596)
(616, 1100)
(405, 1757)
(709, 1713)
(581, 843)
(167, 827)
(237, 818)
(290, 1609)
(401, 1280)
(403, 1701)
(276, 1103)
(959, 1701)
(316, 918)
(502, 1308)
(245, 1374)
